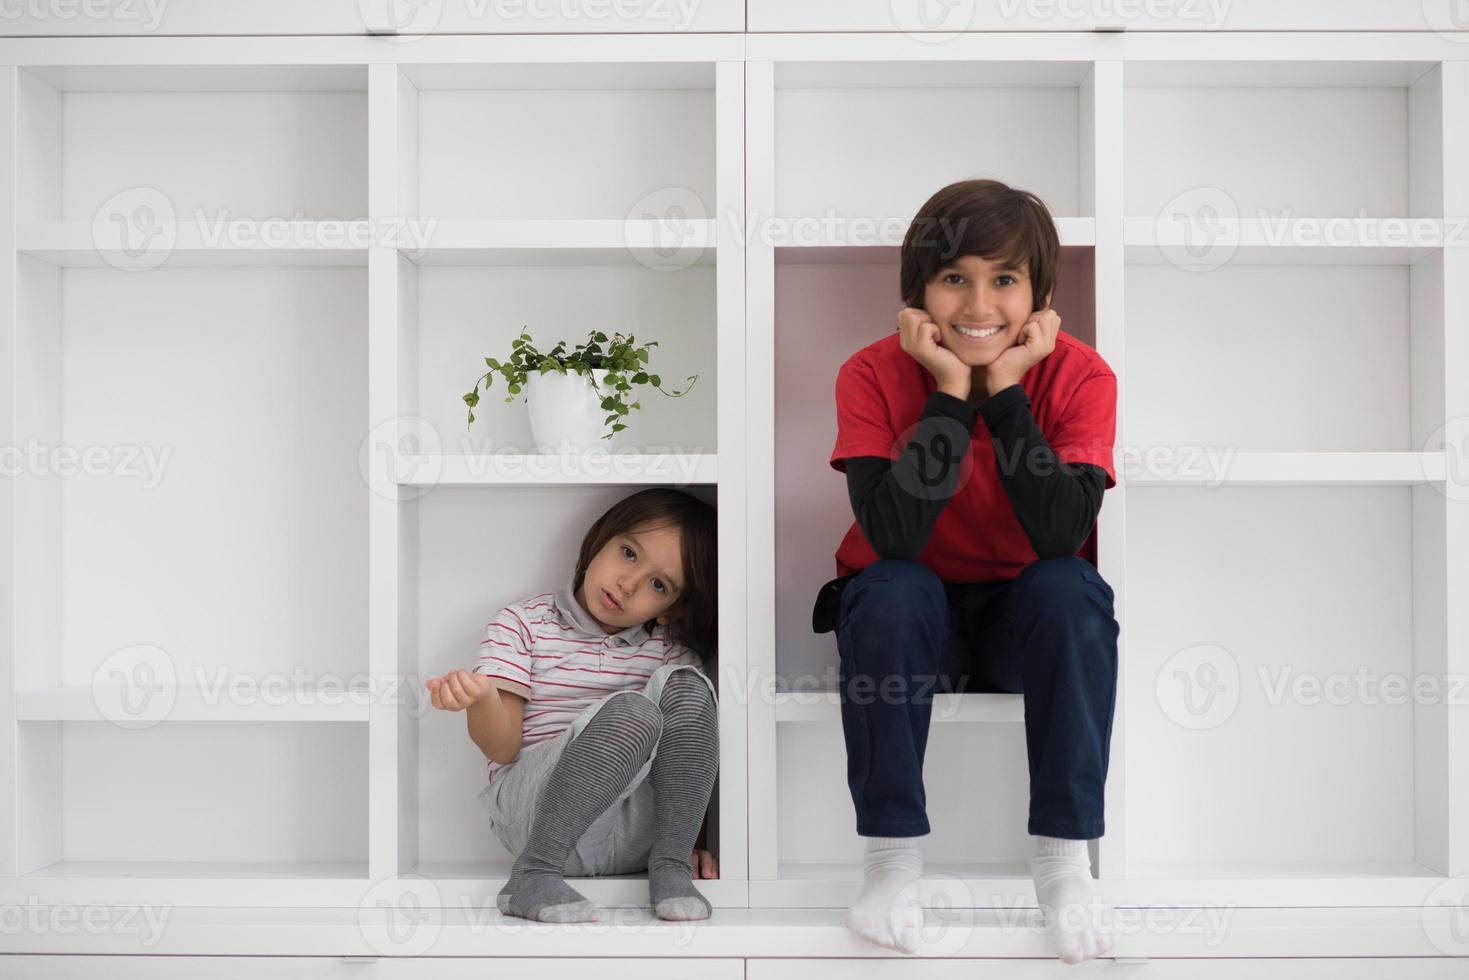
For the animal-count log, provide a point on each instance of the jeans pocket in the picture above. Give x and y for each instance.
(828, 605)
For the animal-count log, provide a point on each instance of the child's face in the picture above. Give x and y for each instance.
(642, 570)
(978, 293)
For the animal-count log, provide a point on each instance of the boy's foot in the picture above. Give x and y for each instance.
(1069, 907)
(888, 911)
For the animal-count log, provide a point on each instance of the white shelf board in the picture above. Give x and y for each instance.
(960, 73)
(466, 883)
(651, 241)
(881, 243)
(378, 928)
(270, 243)
(263, 703)
(1294, 241)
(967, 708)
(533, 75)
(592, 469)
(201, 870)
(1272, 73)
(1286, 469)
(203, 77)
(1259, 870)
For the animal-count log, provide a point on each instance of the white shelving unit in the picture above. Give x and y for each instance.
(1289, 499)
(254, 276)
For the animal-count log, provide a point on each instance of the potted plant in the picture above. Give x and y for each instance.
(566, 403)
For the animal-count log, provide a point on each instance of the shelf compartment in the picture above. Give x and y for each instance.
(193, 800)
(842, 129)
(145, 144)
(197, 393)
(1266, 626)
(456, 316)
(1344, 139)
(824, 313)
(453, 582)
(1309, 359)
(512, 141)
(817, 824)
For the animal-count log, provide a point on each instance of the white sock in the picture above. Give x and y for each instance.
(1079, 927)
(889, 912)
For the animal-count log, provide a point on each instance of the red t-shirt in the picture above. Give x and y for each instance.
(880, 394)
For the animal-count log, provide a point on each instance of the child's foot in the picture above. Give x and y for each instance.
(672, 892)
(545, 897)
(1063, 889)
(888, 912)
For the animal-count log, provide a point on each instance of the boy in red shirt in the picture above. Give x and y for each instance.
(971, 564)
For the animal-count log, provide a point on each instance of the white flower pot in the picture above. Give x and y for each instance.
(566, 411)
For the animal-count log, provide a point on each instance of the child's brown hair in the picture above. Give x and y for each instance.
(693, 620)
(985, 218)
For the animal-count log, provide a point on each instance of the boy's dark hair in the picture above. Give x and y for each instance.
(985, 218)
(693, 619)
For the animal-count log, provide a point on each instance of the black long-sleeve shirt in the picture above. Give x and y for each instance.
(1056, 503)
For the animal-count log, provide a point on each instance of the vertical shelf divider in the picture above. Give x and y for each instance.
(392, 660)
(764, 816)
(1101, 195)
(9, 336)
(1455, 165)
(731, 819)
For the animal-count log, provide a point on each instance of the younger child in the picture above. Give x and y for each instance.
(599, 721)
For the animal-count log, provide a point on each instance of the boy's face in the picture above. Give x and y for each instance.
(978, 294)
(641, 571)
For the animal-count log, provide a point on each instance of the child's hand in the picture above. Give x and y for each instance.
(705, 865)
(1036, 340)
(458, 689)
(919, 337)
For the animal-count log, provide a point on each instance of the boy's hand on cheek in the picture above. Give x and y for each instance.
(1036, 340)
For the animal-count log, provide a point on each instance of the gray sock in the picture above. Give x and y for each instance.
(682, 776)
(597, 765)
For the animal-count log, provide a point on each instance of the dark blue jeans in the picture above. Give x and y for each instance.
(1050, 635)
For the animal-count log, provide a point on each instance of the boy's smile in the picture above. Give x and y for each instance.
(980, 306)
